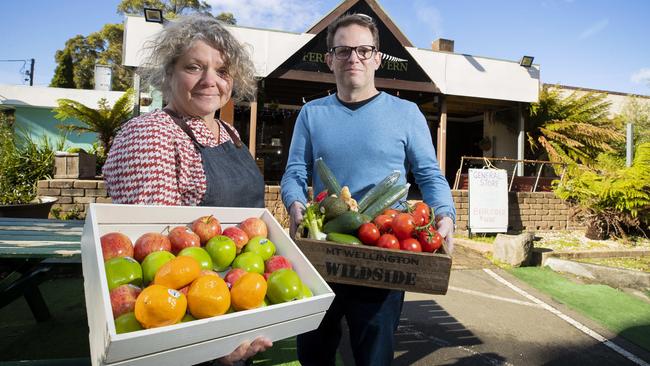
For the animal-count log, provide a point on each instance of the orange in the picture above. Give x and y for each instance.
(208, 296)
(248, 292)
(178, 272)
(158, 306)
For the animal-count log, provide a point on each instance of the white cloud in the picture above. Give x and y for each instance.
(594, 28)
(642, 76)
(430, 17)
(288, 15)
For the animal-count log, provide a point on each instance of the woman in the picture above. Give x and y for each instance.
(183, 154)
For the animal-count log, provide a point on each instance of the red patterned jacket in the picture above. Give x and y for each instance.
(152, 161)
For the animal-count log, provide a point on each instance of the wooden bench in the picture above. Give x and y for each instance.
(28, 250)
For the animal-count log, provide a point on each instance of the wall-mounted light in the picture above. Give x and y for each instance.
(526, 61)
(153, 15)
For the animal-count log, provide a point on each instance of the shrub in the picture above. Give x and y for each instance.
(23, 162)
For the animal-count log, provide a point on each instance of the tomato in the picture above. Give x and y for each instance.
(390, 212)
(430, 239)
(403, 225)
(410, 244)
(388, 241)
(368, 233)
(383, 222)
(421, 213)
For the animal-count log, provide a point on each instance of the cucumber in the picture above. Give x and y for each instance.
(346, 223)
(343, 238)
(387, 200)
(327, 177)
(332, 207)
(378, 190)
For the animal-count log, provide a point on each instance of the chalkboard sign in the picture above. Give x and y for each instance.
(488, 201)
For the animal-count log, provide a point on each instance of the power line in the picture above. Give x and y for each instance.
(28, 73)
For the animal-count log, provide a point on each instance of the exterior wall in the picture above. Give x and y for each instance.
(531, 211)
(40, 123)
(527, 211)
(74, 195)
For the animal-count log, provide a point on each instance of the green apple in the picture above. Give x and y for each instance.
(260, 245)
(152, 262)
(201, 255)
(127, 323)
(187, 318)
(122, 271)
(305, 291)
(284, 285)
(249, 262)
(222, 250)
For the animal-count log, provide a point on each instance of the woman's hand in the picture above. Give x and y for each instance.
(246, 350)
(296, 212)
(445, 227)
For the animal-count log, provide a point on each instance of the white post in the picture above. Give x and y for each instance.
(520, 140)
(629, 143)
(136, 95)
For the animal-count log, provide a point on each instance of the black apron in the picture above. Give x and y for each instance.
(232, 176)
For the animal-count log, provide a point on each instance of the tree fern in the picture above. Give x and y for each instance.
(104, 121)
(572, 129)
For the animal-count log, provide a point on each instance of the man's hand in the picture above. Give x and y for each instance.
(296, 212)
(445, 227)
(246, 350)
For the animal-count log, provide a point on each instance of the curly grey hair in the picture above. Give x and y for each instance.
(179, 35)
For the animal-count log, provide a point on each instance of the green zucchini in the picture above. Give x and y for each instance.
(327, 177)
(387, 200)
(343, 238)
(346, 223)
(378, 190)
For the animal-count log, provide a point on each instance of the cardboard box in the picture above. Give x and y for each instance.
(201, 340)
(378, 267)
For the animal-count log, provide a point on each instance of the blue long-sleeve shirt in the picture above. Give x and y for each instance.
(363, 146)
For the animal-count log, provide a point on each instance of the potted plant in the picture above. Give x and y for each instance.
(22, 164)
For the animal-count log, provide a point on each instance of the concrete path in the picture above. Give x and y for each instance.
(490, 318)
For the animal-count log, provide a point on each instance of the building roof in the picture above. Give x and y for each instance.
(45, 97)
(451, 73)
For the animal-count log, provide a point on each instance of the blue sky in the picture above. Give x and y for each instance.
(594, 44)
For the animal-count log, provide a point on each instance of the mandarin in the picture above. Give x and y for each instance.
(158, 306)
(208, 296)
(178, 272)
(248, 292)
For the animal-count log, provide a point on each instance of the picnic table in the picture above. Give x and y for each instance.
(29, 248)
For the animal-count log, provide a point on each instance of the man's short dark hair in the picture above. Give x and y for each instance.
(358, 19)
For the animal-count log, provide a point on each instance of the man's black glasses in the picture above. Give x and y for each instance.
(364, 52)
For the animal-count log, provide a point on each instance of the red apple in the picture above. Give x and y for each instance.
(206, 227)
(123, 299)
(254, 226)
(276, 262)
(116, 245)
(233, 275)
(238, 235)
(149, 243)
(182, 237)
(184, 290)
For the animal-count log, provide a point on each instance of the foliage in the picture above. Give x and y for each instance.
(170, 8)
(104, 121)
(611, 200)
(76, 61)
(23, 163)
(572, 129)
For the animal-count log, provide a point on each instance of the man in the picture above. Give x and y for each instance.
(362, 135)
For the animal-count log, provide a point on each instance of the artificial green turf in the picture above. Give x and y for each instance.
(283, 353)
(619, 312)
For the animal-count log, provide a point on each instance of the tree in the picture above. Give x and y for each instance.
(76, 61)
(170, 8)
(104, 121)
(637, 111)
(575, 128)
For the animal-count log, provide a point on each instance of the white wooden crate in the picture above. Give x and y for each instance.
(196, 341)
